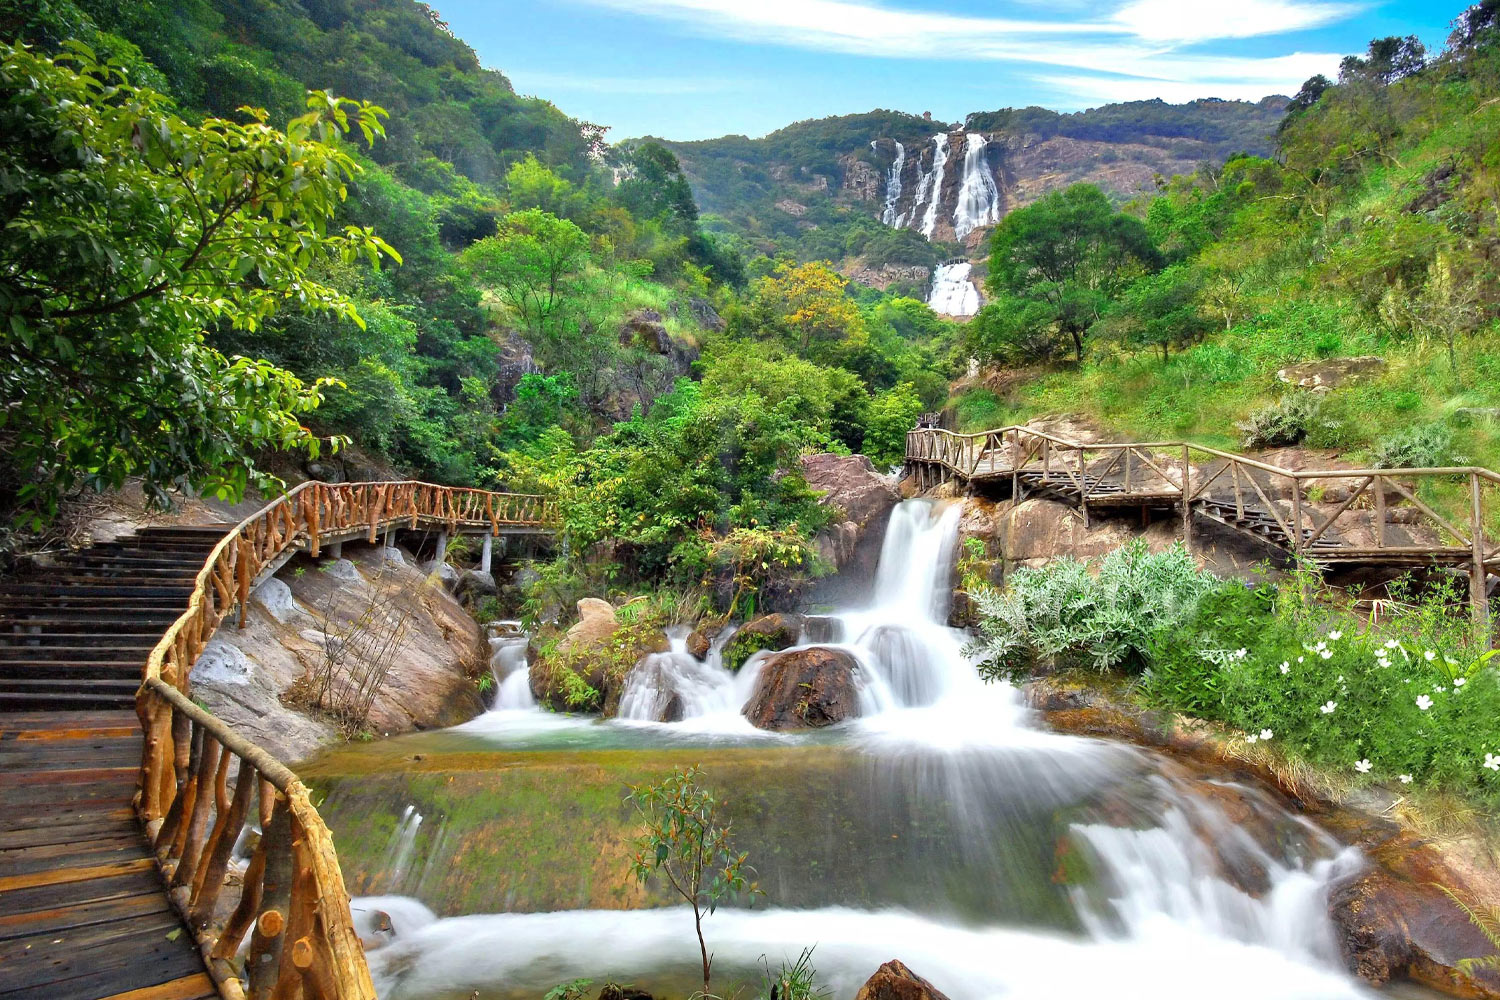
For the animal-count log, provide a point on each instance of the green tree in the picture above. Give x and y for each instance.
(682, 841)
(656, 188)
(1071, 252)
(129, 231)
(533, 263)
(892, 414)
(1160, 311)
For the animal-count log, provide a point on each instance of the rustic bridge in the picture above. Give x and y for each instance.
(1324, 518)
(117, 875)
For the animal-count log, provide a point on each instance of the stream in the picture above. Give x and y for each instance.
(942, 827)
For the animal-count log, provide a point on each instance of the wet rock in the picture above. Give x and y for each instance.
(614, 991)
(1322, 376)
(894, 981)
(820, 628)
(865, 498)
(804, 688)
(1393, 922)
(701, 639)
(598, 650)
(773, 632)
(276, 597)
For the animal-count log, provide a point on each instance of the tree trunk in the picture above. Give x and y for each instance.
(702, 948)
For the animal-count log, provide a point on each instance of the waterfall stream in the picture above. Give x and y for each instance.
(978, 197)
(953, 292)
(930, 190)
(889, 214)
(942, 827)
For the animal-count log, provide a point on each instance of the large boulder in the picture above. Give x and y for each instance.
(1393, 921)
(773, 632)
(894, 981)
(804, 688)
(244, 673)
(863, 500)
(585, 669)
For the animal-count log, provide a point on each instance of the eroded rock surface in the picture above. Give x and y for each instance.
(243, 673)
(804, 688)
(894, 981)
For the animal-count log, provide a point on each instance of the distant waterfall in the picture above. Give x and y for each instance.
(931, 191)
(890, 216)
(953, 292)
(978, 198)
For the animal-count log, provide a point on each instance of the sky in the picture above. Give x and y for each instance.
(695, 69)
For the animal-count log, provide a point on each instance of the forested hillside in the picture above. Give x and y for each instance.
(455, 282)
(814, 190)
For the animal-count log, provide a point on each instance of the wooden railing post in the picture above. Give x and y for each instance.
(1187, 501)
(1479, 597)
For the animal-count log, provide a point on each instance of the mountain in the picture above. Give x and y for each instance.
(827, 188)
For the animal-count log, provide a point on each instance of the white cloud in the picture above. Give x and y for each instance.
(549, 82)
(1198, 21)
(1135, 52)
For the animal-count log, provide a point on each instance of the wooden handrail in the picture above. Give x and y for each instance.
(291, 900)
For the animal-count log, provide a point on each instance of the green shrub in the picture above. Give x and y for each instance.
(1284, 422)
(1064, 616)
(1415, 447)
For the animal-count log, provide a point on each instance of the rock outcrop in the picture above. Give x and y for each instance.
(804, 689)
(773, 632)
(864, 500)
(243, 673)
(585, 669)
(894, 981)
(1323, 376)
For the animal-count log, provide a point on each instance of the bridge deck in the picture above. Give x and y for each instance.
(83, 911)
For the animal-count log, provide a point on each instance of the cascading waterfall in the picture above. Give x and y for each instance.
(889, 215)
(931, 190)
(993, 857)
(978, 197)
(509, 667)
(953, 291)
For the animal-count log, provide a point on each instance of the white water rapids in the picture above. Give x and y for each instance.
(1162, 917)
(953, 292)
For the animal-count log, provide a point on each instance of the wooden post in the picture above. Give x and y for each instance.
(1379, 486)
(1187, 508)
(1479, 598)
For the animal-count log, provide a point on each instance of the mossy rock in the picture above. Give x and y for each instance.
(773, 632)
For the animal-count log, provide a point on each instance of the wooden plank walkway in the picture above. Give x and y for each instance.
(1324, 518)
(84, 914)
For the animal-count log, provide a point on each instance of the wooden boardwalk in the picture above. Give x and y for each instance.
(1323, 518)
(123, 800)
(84, 912)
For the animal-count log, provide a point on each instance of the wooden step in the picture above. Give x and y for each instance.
(118, 652)
(103, 591)
(69, 670)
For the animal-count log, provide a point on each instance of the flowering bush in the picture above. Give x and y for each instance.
(1411, 699)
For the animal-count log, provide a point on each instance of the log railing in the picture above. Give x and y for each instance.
(1227, 485)
(204, 788)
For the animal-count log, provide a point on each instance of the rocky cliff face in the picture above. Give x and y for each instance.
(244, 674)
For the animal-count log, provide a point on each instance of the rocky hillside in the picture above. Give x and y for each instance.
(813, 188)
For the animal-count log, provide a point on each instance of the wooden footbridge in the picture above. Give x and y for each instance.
(1325, 518)
(118, 875)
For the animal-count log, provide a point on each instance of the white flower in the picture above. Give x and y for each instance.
(1250, 738)
(1286, 668)
(1382, 662)
(1362, 766)
(1339, 679)
(1405, 779)
(1492, 762)
(1439, 689)
(1320, 646)
(1450, 661)
(1391, 644)
(1265, 734)
(1459, 682)
(1424, 702)
(1335, 636)
(1241, 653)
(1327, 707)
(1429, 656)
(1326, 654)
(1300, 659)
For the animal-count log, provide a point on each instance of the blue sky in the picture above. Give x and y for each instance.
(692, 69)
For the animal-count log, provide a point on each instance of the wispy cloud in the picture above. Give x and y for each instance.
(549, 82)
(1139, 48)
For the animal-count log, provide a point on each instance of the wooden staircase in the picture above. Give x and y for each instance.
(76, 635)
